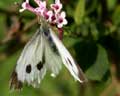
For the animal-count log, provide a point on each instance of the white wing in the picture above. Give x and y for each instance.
(37, 56)
(53, 60)
(30, 67)
(67, 59)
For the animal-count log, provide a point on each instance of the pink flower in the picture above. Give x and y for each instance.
(26, 5)
(61, 20)
(54, 16)
(57, 6)
(41, 4)
(39, 10)
(41, 7)
(47, 15)
(53, 19)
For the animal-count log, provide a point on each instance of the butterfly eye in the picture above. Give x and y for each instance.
(28, 68)
(46, 33)
(39, 65)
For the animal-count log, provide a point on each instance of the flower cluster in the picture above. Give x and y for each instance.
(54, 15)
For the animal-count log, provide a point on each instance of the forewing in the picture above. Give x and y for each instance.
(67, 59)
(30, 67)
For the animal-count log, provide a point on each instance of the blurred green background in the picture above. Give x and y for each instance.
(92, 36)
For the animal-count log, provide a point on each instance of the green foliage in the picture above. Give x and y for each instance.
(79, 12)
(92, 35)
(101, 65)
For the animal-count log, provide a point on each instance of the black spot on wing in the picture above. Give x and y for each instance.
(39, 65)
(69, 61)
(28, 68)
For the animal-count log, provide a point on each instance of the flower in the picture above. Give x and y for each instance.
(57, 6)
(41, 7)
(48, 15)
(26, 5)
(41, 3)
(53, 16)
(61, 20)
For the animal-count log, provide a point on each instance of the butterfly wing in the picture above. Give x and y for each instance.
(52, 56)
(67, 59)
(53, 59)
(30, 67)
(37, 57)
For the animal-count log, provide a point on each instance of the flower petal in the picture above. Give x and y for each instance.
(27, 1)
(60, 25)
(37, 2)
(42, 4)
(63, 14)
(57, 6)
(65, 21)
(21, 10)
(57, 1)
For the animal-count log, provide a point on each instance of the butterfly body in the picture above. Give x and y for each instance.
(43, 52)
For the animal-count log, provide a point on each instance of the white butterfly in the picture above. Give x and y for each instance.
(43, 52)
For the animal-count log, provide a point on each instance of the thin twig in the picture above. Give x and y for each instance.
(14, 12)
(8, 12)
(30, 24)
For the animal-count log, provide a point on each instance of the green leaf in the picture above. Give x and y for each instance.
(69, 41)
(111, 4)
(94, 31)
(100, 67)
(2, 28)
(116, 15)
(79, 12)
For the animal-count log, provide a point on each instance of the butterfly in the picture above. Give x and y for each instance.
(43, 52)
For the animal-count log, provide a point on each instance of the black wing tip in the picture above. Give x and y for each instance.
(84, 80)
(14, 83)
(82, 76)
